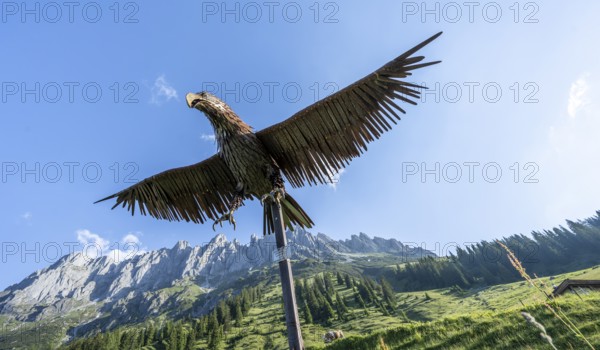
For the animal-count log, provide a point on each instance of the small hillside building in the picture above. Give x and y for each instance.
(576, 286)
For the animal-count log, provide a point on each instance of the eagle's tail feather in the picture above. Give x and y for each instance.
(293, 214)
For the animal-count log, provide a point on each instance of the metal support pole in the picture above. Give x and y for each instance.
(287, 281)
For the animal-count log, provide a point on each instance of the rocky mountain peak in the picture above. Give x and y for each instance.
(220, 239)
(144, 282)
(181, 245)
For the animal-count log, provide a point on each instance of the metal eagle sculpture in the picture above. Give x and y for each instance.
(309, 147)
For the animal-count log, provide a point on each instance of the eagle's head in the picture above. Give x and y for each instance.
(218, 112)
(203, 101)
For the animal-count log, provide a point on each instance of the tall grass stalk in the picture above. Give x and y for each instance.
(382, 345)
(551, 303)
(532, 321)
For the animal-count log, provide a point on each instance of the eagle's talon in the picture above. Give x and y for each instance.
(278, 192)
(275, 196)
(228, 216)
(232, 221)
(266, 196)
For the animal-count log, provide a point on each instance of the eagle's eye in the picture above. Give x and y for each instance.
(195, 102)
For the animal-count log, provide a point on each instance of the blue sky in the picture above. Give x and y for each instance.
(98, 87)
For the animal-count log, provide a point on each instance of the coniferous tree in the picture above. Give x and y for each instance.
(341, 308)
(308, 319)
(215, 338)
(313, 304)
(319, 283)
(223, 315)
(359, 300)
(238, 315)
(364, 292)
(190, 341)
(181, 337)
(200, 326)
(299, 288)
(329, 288)
(328, 313)
(340, 279)
(348, 281)
(388, 294)
(173, 339)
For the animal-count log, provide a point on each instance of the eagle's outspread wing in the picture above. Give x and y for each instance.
(189, 193)
(321, 139)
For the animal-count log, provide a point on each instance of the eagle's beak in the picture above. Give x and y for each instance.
(192, 99)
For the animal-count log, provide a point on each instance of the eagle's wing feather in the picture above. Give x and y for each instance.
(321, 139)
(190, 193)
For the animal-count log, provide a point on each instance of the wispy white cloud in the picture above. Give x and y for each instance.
(25, 218)
(162, 91)
(567, 161)
(335, 179)
(578, 96)
(131, 246)
(130, 238)
(94, 246)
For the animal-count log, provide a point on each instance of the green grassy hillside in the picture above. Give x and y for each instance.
(450, 318)
(442, 319)
(488, 330)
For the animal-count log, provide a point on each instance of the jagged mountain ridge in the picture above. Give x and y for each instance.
(147, 282)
